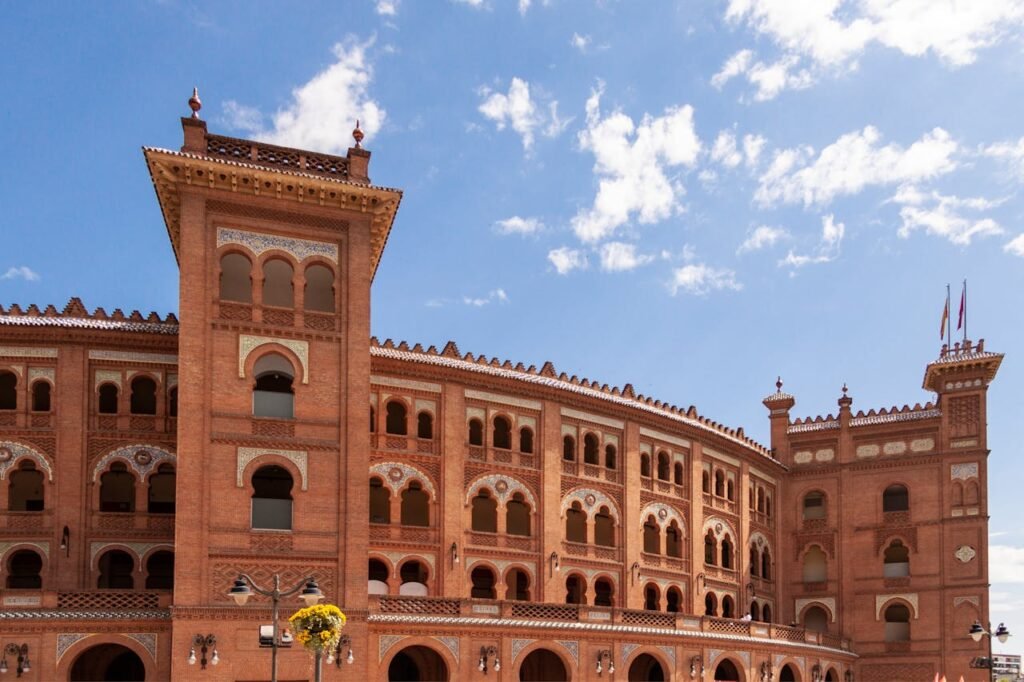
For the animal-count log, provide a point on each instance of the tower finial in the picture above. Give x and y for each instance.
(845, 389)
(778, 384)
(194, 103)
(357, 134)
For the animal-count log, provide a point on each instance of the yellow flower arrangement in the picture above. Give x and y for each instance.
(318, 628)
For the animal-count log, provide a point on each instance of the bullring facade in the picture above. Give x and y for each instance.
(475, 518)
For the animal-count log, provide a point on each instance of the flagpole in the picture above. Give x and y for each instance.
(965, 312)
(949, 320)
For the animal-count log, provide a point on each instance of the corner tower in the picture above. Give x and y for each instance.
(277, 249)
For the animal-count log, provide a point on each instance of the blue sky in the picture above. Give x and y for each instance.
(691, 197)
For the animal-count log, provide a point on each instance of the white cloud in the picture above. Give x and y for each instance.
(517, 225)
(724, 150)
(762, 237)
(324, 110)
(518, 110)
(494, 296)
(21, 272)
(1015, 246)
(619, 257)
(523, 6)
(631, 162)
(1010, 152)
(471, 3)
(1005, 564)
(753, 145)
(566, 260)
(850, 164)
(821, 36)
(827, 250)
(943, 215)
(387, 8)
(581, 43)
(699, 279)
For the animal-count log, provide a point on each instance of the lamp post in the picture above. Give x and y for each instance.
(978, 631)
(245, 587)
(20, 653)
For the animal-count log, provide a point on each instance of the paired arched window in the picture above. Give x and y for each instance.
(705, 482)
(8, 391)
(483, 581)
(415, 505)
(728, 607)
(24, 570)
(897, 623)
(273, 395)
(816, 619)
(143, 400)
(673, 600)
(117, 489)
(476, 432)
(897, 560)
(664, 466)
(652, 536)
(760, 562)
(727, 558)
(25, 490)
(425, 426)
(575, 590)
(526, 440)
(609, 456)
(108, 399)
(710, 604)
(160, 571)
(604, 528)
(677, 473)
(272, 498)
(590, 449)
(652, 597)
(395, 422)
(278, 287)
(896, 498)
(720, 483)
(569, 448)
(575, 523)
(673, 540)
(814, 506)
(517, 585)
(41, 396)
(604, 592)
(235, 278)
(117, 571)
(413, 576)
(517, 515)
(380, 501)
(710, 549)
(484, 513)
(645, 465)
(319, 294)
(815, 565)
(502, 434)
(377, 577)
(161, 490)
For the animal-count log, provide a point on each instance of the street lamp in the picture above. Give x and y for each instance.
(18, 652)
(978, 631)
(245, 587)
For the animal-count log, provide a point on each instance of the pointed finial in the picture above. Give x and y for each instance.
(844, 389)
(357, 134)
(194, 103)
(778, 384)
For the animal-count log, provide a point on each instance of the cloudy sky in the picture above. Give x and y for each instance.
(690, 196)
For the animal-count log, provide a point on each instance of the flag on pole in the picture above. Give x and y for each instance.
(942, 324)
(963, 307)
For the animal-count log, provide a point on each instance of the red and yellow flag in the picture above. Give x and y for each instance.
(945, 319)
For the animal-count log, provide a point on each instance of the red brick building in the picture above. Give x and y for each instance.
(472, 517)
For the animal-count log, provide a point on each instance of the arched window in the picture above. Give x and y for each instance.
(108, 399)
(604, 592)
(517, 515)
(971, 496)
(609, 456)
(273, 395)
(575, 590)
(604, 528)
(768, 505)
(590, 447)
(575, 523)
(395, 423)
(645, 465)
(710, 604)
(569, 449)
(728, 607)
(483, 583)
(24, 571)
(517, 585)
(958, 494)
(143, 399)
(760, 500)
(415, 505)
(727, 553)
(814, 505)
(41, 396)
(720, 483)
(815, 566)
(677, 473)
(755, 562)
(172, 402)
(766, 614)
(705, 482)
(673, 541)
(380, 501)
(425, 426)
(117, 489)
(502, 435)
(651, 597)
(160, 571)
(673, 600)
(235, 278)
(25, 491)
(373, 420)
(484, 513)
(319, 294)
(526, 440)
(730, 490)
(278, 289)
(377, 577)
(663, 466)
(897, 623)
(272, 498)
(755, 611)
(766, 564)
(895, 498)
(710, 549)
(476, 432)
(117, 571)
(413, 578)
(652, 536)
(161, 490)
(897, 560)
(8, 391)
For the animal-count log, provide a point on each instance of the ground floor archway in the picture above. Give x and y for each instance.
(108, 663)
(418, 664)
(646, 668)
(788, 674)
(543, 665)
(726, 672)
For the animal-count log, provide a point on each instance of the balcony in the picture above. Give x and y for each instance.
(595, 471)
(395, 443)
(417, 535)
(27, 523)
(588, 551)
(132, 523)
(671, 563)
(520, 543)
(479, 453)
(141, 423)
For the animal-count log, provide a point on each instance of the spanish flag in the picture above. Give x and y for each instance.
(945, 318)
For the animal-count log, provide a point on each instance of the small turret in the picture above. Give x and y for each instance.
(779, 404)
